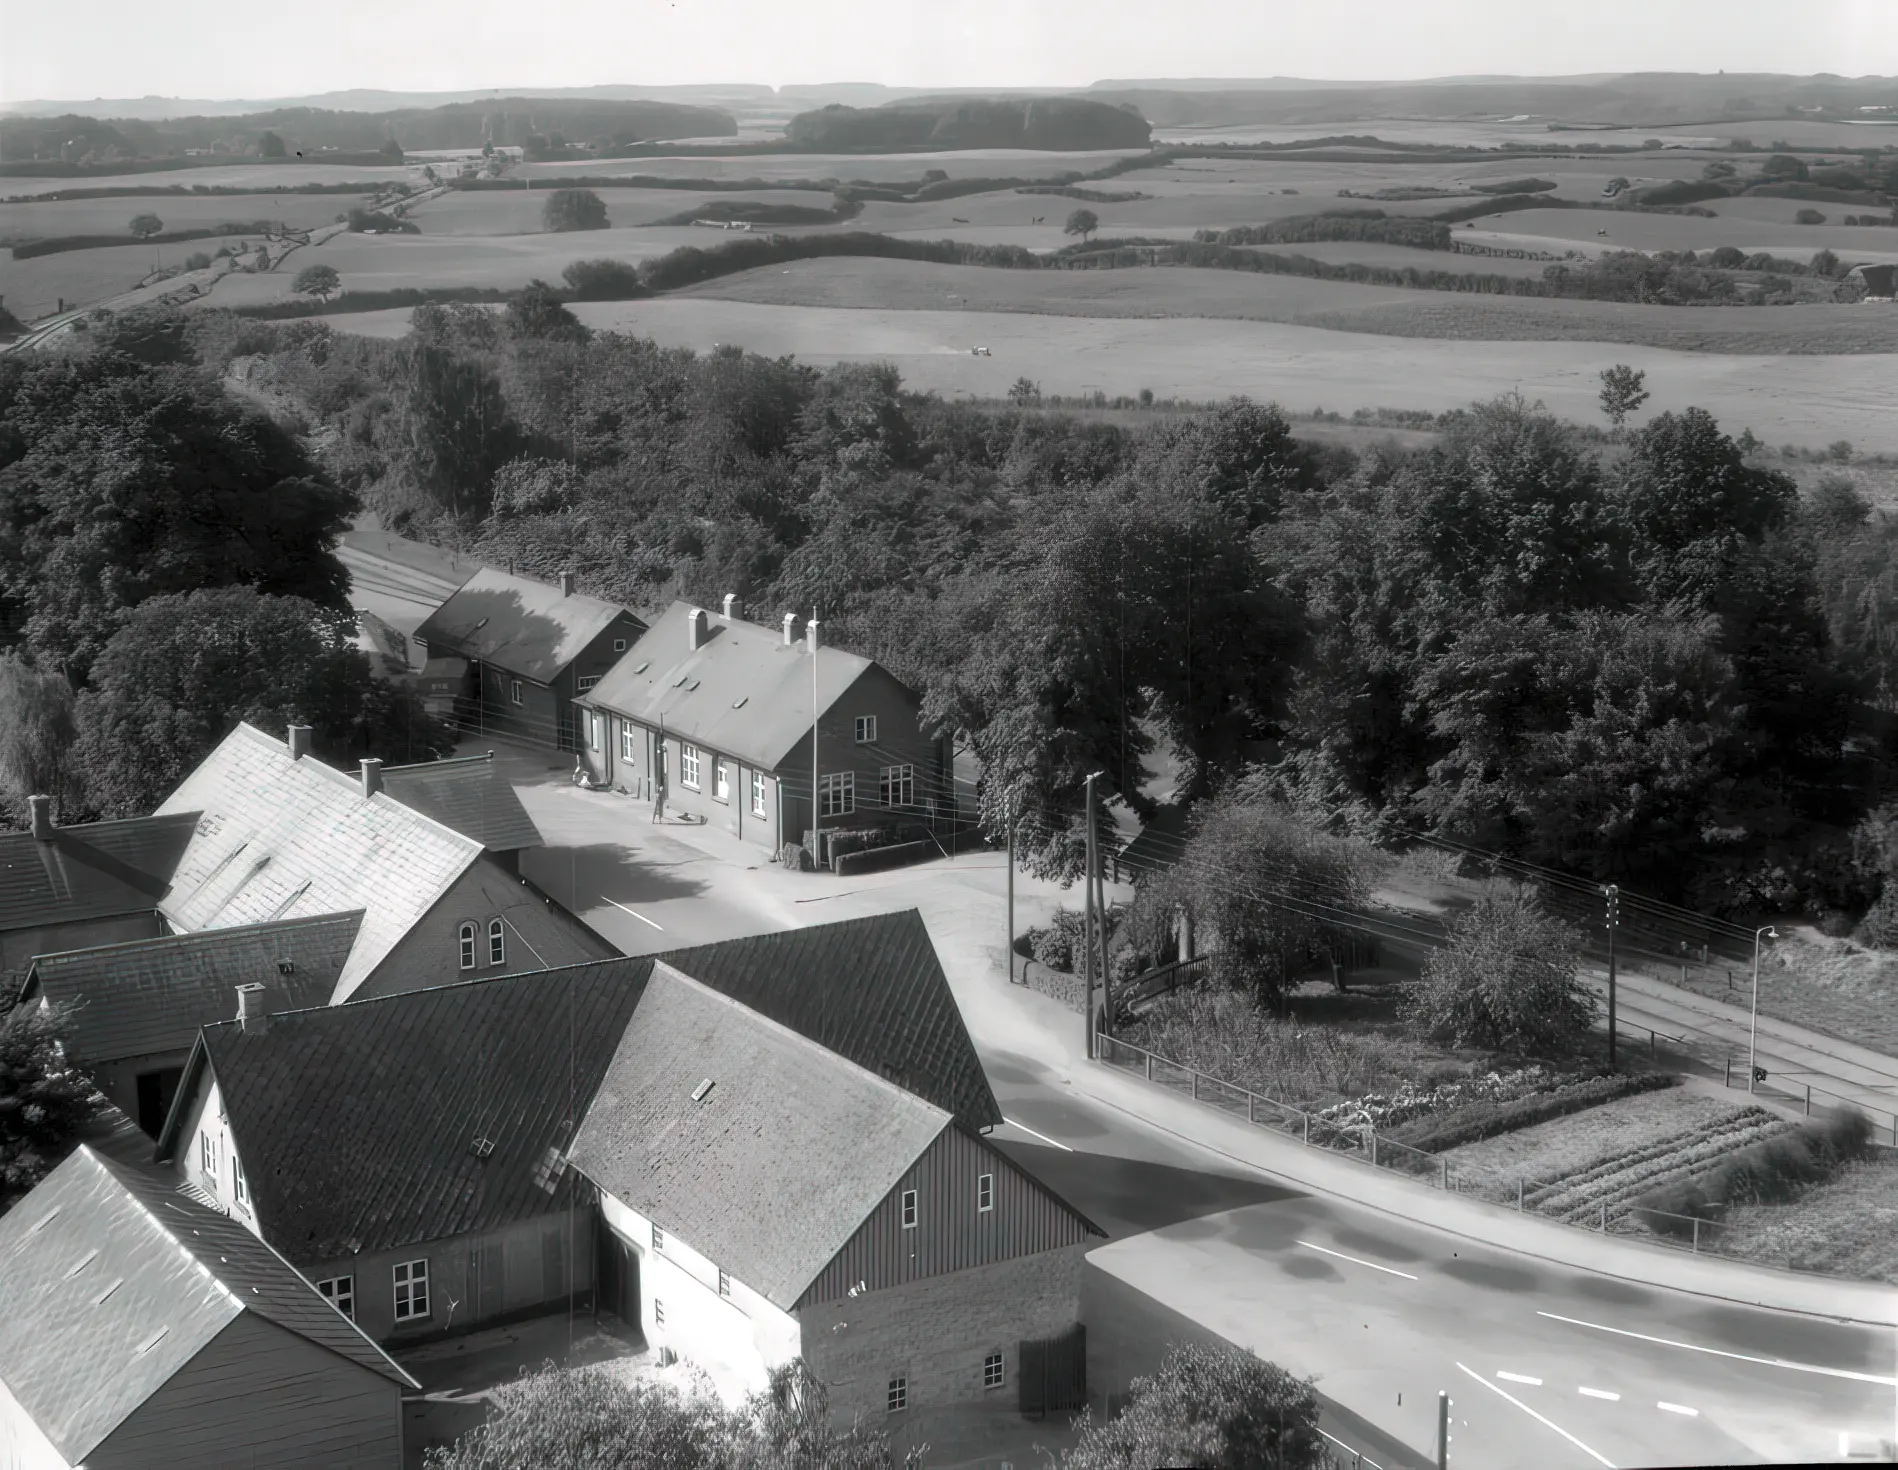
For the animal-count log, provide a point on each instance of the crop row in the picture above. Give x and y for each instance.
(1622, 1185)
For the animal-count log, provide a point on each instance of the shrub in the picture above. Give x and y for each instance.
(603, 280)
(573, 209)
(374, 221)
(1059, 944)
(1771, 1172)
(1726, 258)
(44, 1100)
(1809, 217)
(865, 839)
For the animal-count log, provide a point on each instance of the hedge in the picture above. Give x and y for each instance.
(57, 244)
(690, 264)
(1477, 1121)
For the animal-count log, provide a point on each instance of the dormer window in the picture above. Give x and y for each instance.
(497, 942)
(467, 946)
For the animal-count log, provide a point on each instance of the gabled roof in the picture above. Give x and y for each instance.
(282, 838)
(469, 794)
(525, 627)
(153, 995)
(358, 1124)
(870, 989)
(81, 1353)
(93, 871)
(744, 691)
(771, 1169)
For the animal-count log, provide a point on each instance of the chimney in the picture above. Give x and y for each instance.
(790, 629)
(253, 1011)
(566, 584)
(810, 635)
(299, 741)
(695, 628)
(371, 776)
(42, 809)
(731, 606)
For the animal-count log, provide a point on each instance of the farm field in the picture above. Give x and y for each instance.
(518, 211)
(1804, 399)
(43, 220)
(881, 167)
(33, 288)
(1630, 231)
(260, 176)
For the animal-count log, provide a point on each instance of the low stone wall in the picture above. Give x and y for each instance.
(877, 859)
(1058, 984)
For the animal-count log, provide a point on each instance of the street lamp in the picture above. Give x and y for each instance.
(1753, 1037)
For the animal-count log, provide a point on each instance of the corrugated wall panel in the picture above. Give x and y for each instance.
(951, 1233)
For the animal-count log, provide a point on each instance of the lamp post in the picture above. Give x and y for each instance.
(1753, 1036)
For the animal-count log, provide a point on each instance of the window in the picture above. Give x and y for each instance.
(899, 786)
(837, 794)
(411, 1290)
(619, 645)
(757, 793)
(626, 750)
(992, 1371)
(721, 779)
(497, 942)
(593, 731)
(340, 1293)
(658, 1238)
(467, 946)
(689, 765)
(658, 1313)
(207, 1155)
(724, 1282)
(240, 1187)
(514, 692)
(866, 729)
(985, 1192)
(899, 1394)
(909, 1209)
(587, 681)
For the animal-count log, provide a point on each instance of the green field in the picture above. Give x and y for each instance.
(518, 211)
(49, 218)
(32, 288)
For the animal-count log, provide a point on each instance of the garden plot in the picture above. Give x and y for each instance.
(1848, 1226)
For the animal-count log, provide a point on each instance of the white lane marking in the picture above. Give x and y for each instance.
(1359, 1457)
(1722, 1353)
(1355, 1261)
(1508, 1377)
(639, 916)
(1595, 1455)
(1601, 1393)
(1042, 1136)
(1677, 1408)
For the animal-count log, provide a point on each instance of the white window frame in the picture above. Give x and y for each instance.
(411, 1305)
(515, 695)
(689, 766)
(207, 1155)
(467, 936)
(721, 779)
(898, 785)
(909, 1209)
(586, 682)
(896, 1397)
(619, 645)
(240, 1186)
(658, 1237)
(658, 1313)
(340, 1293)
(984, 1193)
(992, 1371)
(866, 729)
(497, 942)
(757, 794)
(837, 793)
(593, 731)
(628, 748)
(724, 1283)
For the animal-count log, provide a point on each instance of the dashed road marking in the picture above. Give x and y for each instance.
(1601, 1393)
(1392, 1270)
(1508, 1377)
(1677, 1408)
(1595, 1455)
(1722, 1353)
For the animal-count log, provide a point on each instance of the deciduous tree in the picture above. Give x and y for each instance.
(1082, 222)
(1622, 392)
(573, 209)
(44, 1099)
(1506, 980)
(144, 226)
(320, 281)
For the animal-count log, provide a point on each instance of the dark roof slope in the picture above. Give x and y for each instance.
(525, 627)
(153, 995)
(79, 1357)
(469, 794)
(358, 1123)
(91, 871)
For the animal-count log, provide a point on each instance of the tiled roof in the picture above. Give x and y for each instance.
(358, 1124)
(153, 995)
(282, 838)
(743, 692)
(771, 1169)
(80, 1354)
(525, 627)
(470, 795)
(91, 871)
(871, 990)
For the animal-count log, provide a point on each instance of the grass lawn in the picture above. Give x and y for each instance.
(1849, 1226)
(1828, 987)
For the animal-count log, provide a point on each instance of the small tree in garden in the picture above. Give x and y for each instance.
(1623, 390)
(1082, 222)
(320, 281)
(1506, 980)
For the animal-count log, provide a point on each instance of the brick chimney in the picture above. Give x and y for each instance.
(731, 606)
(566, 584)
(41, 808)
(253, 1009)
(371, 776)
(790, 629)
(299, 741)
(695, 629)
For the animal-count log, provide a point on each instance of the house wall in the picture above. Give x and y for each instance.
(736, 1339)
(608, 762)
(936, 1332)
(900, 741)
(204, 1119)
(536, 719)
(258, 1395)
(539, 935)
(517, 1270)
(23, 1444)
(19, 947)
(118, 1079)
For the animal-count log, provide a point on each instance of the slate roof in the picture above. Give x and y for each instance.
(743, 692)
(528, 628)
(91, 871)
(153, 995)
(773, 1169)
(79, 1358)
(469, 794)
(357, 1123)
(282, 838)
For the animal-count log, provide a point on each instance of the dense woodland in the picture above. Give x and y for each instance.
(1639, 656)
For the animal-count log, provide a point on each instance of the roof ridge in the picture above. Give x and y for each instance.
(363, 1002)
(453, 760)
(199, 936)
(76, 828)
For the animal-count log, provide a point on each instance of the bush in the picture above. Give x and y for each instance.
(1356, 224)
(865, 839)
(603, 280)
(1780, 1169)
(374, 221)
(1058, 945)
(1809, 217)
(1727, 258)
(1515, 186)
(44, 1100)
(573, 209)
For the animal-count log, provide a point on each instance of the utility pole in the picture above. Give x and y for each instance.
(1613, 894)
(1009, 953)
(1088, 919)
(1100, 915)
(810, 638)
(1443, 1430)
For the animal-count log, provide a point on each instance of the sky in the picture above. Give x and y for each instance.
(260, 49)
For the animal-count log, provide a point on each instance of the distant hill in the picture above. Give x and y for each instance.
(1061, 123)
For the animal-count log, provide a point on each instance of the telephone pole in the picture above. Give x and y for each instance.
(1613, 894)
(1089, 919)
(1009, 953)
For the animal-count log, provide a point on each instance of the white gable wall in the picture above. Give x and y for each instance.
(23, 1445)
(737, 1339)
(205, 1122)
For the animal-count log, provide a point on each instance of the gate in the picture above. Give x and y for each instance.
(616, 1281)
(1053, 1373)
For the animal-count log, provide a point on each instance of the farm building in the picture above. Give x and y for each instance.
(471, 795)
(530, 648)
(145, 1330)
(69, 887)
(282, 835)
(1880, 281)
(719, 712)
(137, 1007)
